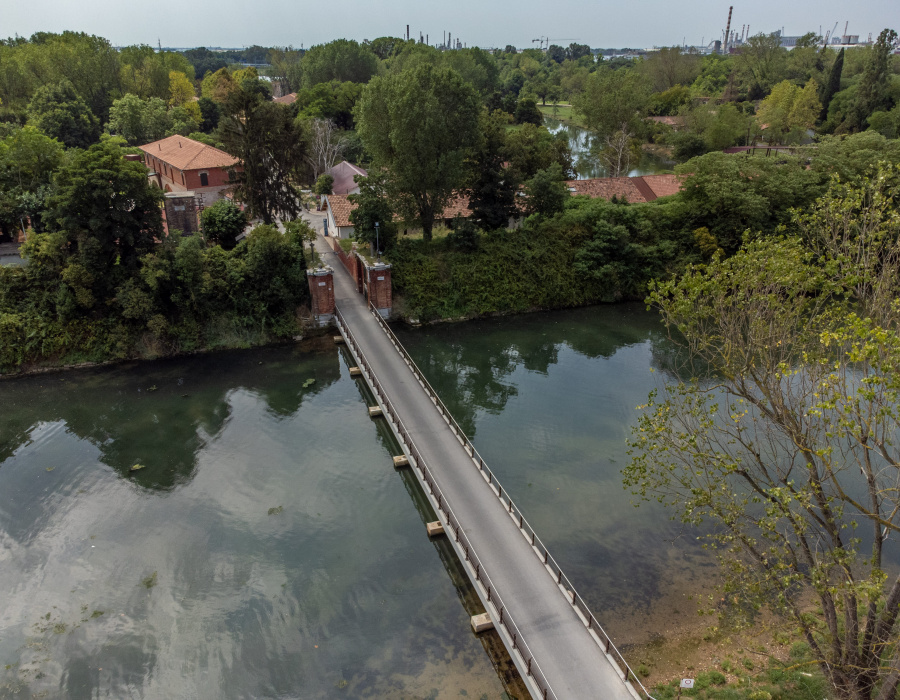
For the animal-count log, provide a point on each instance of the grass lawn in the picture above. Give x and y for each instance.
(565, 113)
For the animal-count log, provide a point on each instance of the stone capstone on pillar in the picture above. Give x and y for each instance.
(321, 294)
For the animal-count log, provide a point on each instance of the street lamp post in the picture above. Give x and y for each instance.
(377, 247)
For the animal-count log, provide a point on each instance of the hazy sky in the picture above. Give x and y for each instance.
(638, 23)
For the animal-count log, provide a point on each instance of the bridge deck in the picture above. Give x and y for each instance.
(569, 656)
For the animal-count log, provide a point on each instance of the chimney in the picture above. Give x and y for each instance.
(407, 32)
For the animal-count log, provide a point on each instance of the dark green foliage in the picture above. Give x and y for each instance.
(333, 100)
(535, 267)
(183, 297)
(731, 194)
(210, 114)
(872, 94)
(527, 112)
(373, 205)
(419, 125)
(222, 223)
(341, 60)
(833, 86)
(533, 148)
(492, 193)
(61, 113)
(688, 145)
(464, 236)
(546, 193)
(108, 216)
(271, 150)
(324, 184)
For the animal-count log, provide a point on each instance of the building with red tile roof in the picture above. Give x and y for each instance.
(339, 206)
(288, 99)
(644, 188)
(180, 164)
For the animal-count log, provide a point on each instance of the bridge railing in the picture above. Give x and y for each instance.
(482, 577)
(567, 588)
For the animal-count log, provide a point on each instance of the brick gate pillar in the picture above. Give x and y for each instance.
(321, 293)
(379, 280)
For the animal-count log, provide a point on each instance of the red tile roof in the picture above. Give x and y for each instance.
(341, 206)
(290, 98)
(183, 153)
(644, 188)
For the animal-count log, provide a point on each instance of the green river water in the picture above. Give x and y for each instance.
(268, 549)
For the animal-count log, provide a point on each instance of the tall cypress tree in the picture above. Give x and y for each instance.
(833, 85)
(492, 193)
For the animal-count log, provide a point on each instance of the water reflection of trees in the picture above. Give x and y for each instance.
(160, 414)
(469, 364)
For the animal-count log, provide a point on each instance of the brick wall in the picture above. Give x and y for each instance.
(379, 281)
(321, 291)
(182, 213)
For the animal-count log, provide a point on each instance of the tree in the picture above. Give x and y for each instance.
(419, 125)
(222, 222)
(832, 86)
(218, 86)
(786, 444)
(324, 184)
(612, 98)
(762, 62)
(872, 94)
(271, 149)
(787, 108)
(59, 112)
(546, 193)
(373, 205)
(669, 67)
(139, 121)
(110, 217)
(492, 192)
(325, 146)
(181, 90)
(619, 152)
(533, 148)
(386, 46)
(209, 114)
(341, 60)
(527, 112)
(28, 160)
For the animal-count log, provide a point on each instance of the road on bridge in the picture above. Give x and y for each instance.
(569, 656)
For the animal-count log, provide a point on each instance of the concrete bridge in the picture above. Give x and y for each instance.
(557, 644)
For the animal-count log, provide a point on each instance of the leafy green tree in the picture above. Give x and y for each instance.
(181, 90)
(324, 184)
(59, 112)
(872, 92)
(419, 125)
(546, 193)
(789, 108)
(533, 148)
(139, 121)
(271, 149)
(222, 222)
(373, 205)
(341, 60)
(715, 71)
(855, 156)
(205, 61)
(218, 86)
(670, 67)
(110, 217)
(527, 112)
(492, 192)
(28, 160)
(332, 100)
(762, 62)
(612, 98)
(730, 194)
(786, 446)
(209, 114)
(386, 46)
(832, 86)
(886, 123)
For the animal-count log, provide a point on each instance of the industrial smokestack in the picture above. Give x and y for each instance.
(727, 30)
(407, 32)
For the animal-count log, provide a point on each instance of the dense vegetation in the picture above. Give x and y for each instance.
(70, 102)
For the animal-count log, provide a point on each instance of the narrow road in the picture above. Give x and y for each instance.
(569, 657)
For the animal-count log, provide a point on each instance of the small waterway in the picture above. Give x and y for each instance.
(581, 142)
(266, 547)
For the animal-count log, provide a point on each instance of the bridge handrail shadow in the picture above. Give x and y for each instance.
(567, 588)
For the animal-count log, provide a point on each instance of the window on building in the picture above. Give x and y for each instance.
(204, 179)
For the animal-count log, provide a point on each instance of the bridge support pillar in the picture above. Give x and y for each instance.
(321, 293)
(379, 285)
